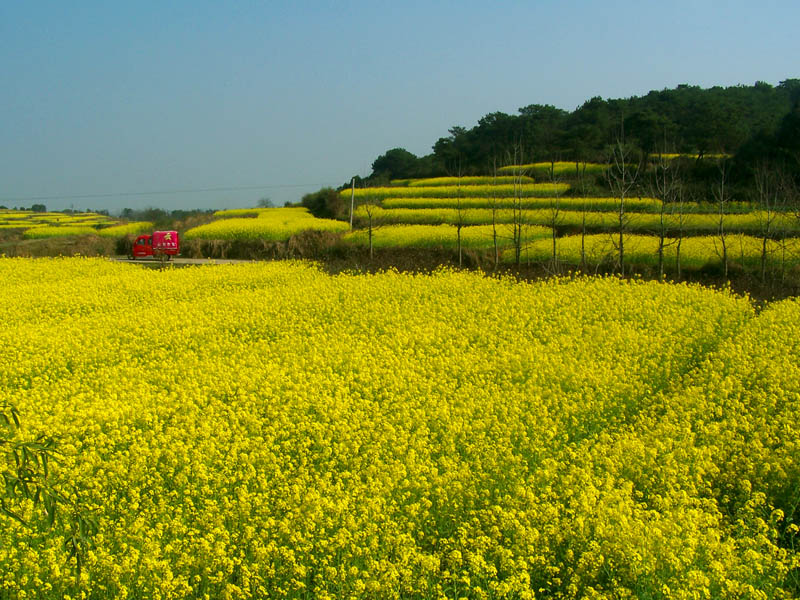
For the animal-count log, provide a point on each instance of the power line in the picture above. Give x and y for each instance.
(161, 192)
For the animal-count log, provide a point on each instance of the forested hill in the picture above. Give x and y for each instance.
(750, 123)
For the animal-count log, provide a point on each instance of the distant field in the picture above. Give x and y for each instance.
(642, 250)
(545, 169)
(692, 224)
(271, 224)
(479, 237)
(50, 225)
(589, 204)
(454, 191)
(464, 181)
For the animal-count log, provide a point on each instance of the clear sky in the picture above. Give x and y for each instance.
(103, 101)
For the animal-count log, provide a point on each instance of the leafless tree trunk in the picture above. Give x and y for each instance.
(494, 214)
(667, 188)
(767, 194)
(580, 170)
(371, 209)
(622, 177)
(555, 219)
(459, 217)
(790, 195)
(722, 197)
(517, 207)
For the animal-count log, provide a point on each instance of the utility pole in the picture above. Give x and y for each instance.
(352, 198)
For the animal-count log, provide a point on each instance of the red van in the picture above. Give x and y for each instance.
(161, 244)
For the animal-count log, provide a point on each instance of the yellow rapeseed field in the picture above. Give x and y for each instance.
(506, 190)
(642, 250)
(558, 168)
(132, 228)
(273, 224)
(462, 181)
(692, 224)
(72, 223)
(442, 236)
(271, 431)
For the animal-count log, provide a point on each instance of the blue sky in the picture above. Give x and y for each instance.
(104, 101)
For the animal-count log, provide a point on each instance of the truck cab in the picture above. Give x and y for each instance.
(161, 244)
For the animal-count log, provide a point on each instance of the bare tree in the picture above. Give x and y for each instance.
(555, 217)
(622, 176)
(790, 195)
(767, 187)
(493, 204)
(678, 217)
(721, 195)
(517, 213)
(459, 215)
(667, 187)
(580, 171)
(370, 205)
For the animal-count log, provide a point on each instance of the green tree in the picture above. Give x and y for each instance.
(326, 203)
(397, 163)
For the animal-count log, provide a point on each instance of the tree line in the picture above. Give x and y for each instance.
(749, 123)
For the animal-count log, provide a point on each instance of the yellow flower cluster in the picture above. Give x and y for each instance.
(453, 191)
(53, 224)
(441, 236)
(273, 224)
(473, 180)
(566, 203)
(692, 224)
(672, 156)
(240, 212)
(695, 252)
(270, 431)
(543, 169)
(132, 228)
(50, 231)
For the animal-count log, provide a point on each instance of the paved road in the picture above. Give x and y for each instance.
(151, 262)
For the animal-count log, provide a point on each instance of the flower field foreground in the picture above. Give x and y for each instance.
(267, 430)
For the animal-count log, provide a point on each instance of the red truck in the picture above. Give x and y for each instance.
(161, 244)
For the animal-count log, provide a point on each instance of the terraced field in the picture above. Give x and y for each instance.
(587, 228)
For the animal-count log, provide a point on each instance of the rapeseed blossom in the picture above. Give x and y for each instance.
(268, 430)
(273, 224)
